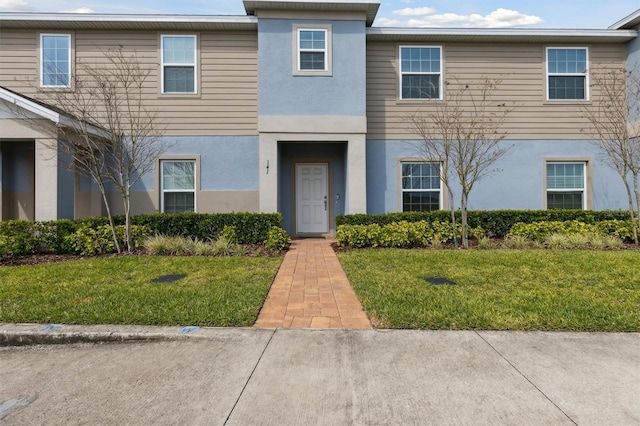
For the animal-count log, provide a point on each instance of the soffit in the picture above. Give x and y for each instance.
(499, 35)
(96, 21)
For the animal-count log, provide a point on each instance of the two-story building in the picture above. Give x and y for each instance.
(301, 107)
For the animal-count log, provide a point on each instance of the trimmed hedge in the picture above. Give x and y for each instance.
(23, 237)
(401, 234)
(496, 223)
(251, 228)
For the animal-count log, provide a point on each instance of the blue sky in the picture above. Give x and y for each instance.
(428, 13)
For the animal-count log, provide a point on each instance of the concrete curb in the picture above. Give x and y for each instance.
(53, 334)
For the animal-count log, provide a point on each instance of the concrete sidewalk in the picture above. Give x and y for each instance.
(319, 377)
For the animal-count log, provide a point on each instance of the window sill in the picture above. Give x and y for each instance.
(567, 102)
(181, 95)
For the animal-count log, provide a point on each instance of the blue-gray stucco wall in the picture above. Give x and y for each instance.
(66, 186)
(282, 93)
(516, 184)
(228, 163)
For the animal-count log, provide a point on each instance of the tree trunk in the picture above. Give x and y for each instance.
(463, 210)
(453, 217)
(127, 217)
(636, 191)
(114, 234)
(632, 215)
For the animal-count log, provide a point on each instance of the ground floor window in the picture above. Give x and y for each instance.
(566, 183)
(178, 180)
(421, 186)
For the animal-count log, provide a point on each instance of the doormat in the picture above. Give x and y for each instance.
(439, 281)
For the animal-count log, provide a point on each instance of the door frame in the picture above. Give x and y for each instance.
(293, 194)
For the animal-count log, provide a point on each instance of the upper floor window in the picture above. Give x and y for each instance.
(179, 64)
(312, 50)
(55, 64)
(566, 183)
(421, 187)
(567, 73)
(420, 72)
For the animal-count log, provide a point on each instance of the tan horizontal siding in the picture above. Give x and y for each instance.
(227, 99)
(521, 69)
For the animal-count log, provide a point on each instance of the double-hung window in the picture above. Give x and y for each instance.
(566, 185)
(421, 187)
(55, 63)
(312, 50)
(420, 72)
(312, 53)
(179, 64)
(567, 73)
(178, 181)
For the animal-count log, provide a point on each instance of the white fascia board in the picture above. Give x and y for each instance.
(112, 17)
(633, 19)
(48, 113)
(604, 34)
(30, 106)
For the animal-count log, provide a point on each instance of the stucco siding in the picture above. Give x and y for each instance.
(284, 94)
(520, 69)
(516, 184)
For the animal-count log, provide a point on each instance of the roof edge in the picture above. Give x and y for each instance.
(628, 22)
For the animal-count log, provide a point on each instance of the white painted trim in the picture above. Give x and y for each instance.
(69, 50)
(30, 106)
(585, 74)
(185, 64)
(401, 74)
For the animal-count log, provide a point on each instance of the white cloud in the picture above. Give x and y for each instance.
(79, 10)
(386, 22)
(15, 5)
(426, 17)
(414, 11)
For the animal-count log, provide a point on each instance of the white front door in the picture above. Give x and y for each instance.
(312, 198)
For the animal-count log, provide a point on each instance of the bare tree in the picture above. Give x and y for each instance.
(614, 130)
(111, 136)
(464, 132)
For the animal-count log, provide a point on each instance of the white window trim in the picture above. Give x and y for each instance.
(585, 170)
(401, 74)
(42, 36)
(185, 64)
(402, 162)
(195, 161)
(585, 74)
(328, 52)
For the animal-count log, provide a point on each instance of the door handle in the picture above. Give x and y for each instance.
(325, 203)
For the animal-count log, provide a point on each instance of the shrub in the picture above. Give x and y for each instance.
(250, 228)
(540, 231)
(51, 236)
(399, 234)
(496, 223)
(99, 240)
(618, 228)
(581, 241)
(277, 239)
(19, 237)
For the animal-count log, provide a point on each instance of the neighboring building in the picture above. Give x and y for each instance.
(300, 107)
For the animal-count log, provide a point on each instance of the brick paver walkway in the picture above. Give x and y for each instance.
(311, 290)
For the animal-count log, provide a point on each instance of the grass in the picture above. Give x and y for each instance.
(216, 291)
(499, 289)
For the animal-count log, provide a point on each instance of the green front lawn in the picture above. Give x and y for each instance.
(221, 291)
(498, 289)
